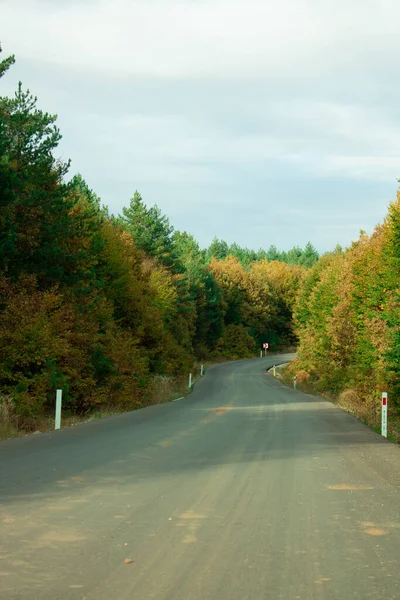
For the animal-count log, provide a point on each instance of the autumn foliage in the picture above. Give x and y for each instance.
(107, 307)
(102, 306)
(347, 317)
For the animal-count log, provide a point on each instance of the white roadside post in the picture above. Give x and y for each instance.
(295, 382)
(274, 371)
(260, 353)
(384, 414)
(190, 381)
(58, 409)
(202, 371)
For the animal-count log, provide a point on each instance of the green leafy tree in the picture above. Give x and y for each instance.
(262, 255)
(150, 229)
(274, 254)
(309, 256)
(294, 255)
(391, 294)
(244, 255)
(6, 63)
(236, 342)
(204, 294)
(218, 249)
(79, 186)
(39, 224)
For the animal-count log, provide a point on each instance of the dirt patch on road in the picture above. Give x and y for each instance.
(66, 536)
(349, 487)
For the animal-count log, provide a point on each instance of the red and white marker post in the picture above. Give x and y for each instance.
(384, 414)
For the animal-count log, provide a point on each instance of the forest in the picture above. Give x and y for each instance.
(347, 319)
(104, 306)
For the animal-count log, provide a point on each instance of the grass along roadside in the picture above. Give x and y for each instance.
(348, 400)
(163, 389)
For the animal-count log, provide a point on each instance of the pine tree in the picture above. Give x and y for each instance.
(38, 220)
(150, 229)
(6, 63)
(218, 249)
(309, 256)
(79, 185)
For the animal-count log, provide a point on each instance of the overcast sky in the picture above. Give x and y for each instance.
(256, 121)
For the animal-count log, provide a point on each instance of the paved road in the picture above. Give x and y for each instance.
(244, 490)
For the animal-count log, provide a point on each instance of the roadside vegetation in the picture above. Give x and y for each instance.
(347, 319)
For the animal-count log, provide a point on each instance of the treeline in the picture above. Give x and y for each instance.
(100, 305)
(347, 318)
(305, 257)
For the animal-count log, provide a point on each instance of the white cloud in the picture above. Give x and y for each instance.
(349, 123)
(243, 99)
(370, 168)
(198, 39)
(327, 130)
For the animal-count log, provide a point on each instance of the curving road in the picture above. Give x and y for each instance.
(244, 490)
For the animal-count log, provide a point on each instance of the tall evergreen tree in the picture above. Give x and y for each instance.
(309, 256)
(218, 249)
(294, 255)
(273, 253)
(78, 184)
(150, 229)
(37, 219)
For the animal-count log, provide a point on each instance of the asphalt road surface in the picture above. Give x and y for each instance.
(245, 489)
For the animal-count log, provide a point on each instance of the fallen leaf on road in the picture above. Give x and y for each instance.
(128, 561)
